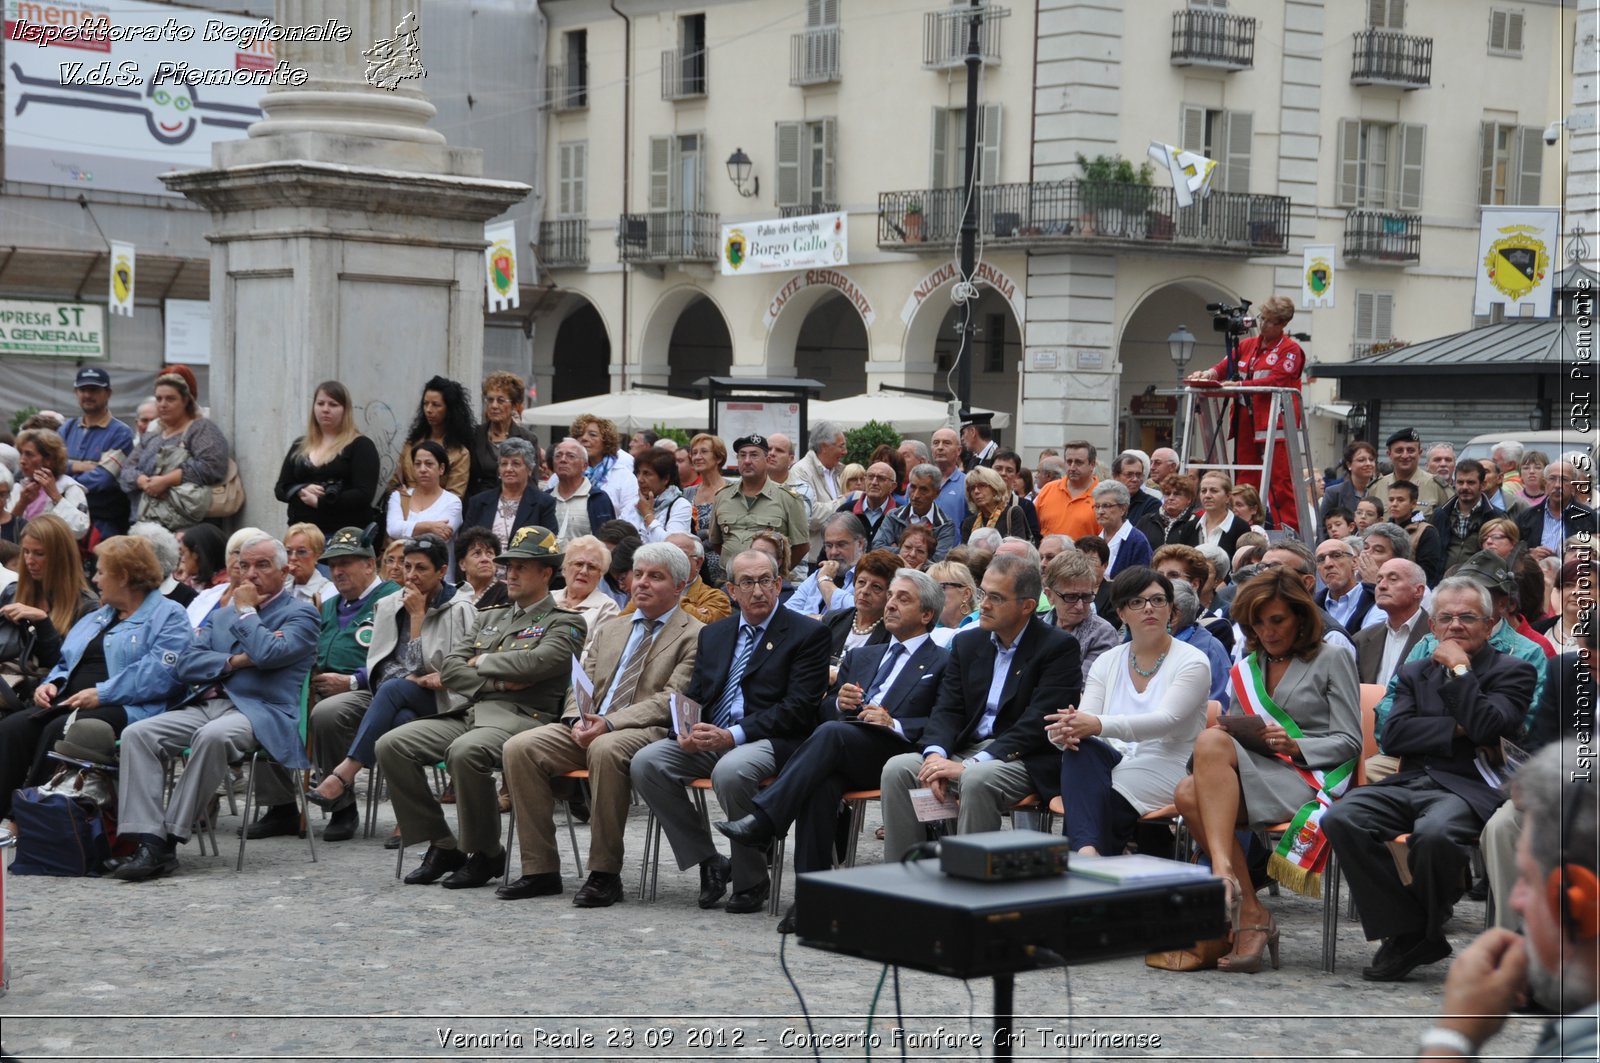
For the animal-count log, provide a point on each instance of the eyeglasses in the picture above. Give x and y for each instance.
(951, 586)
(998, 599)
(747, 584)
(1446, 619)
(299, 551)
(1154, 601)
(1075, 598)
(426, 542)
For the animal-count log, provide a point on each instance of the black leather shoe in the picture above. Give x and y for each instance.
(787, 924)
(751, 900)
(436, 864)
(151, 861)
(754, 830)
(479, 870)
(109, 867)
(279, 821)
(1404, 957)
(602, 890)
(545, 884)
(392, 842)
(342, 825)
(714, 876)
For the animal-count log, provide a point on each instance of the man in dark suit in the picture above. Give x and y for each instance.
(1544, 528)
(877, 709)
(1383, 647)
(1467, 695)
(758, 678)
(985, 739)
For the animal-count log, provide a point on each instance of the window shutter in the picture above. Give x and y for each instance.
(1386, 14)
(691, 198)
(1486, 163)
(580, 180)
(1497, 31)
(1238, 127)
(1382, 316)
(1192, 129)
(661, 172)
(1411, 153)
(1514, 32)
(989, 144)
(1528, 166)
(937, 167)
(1363, 331)
(829, 190)
(564, 182)
(1348, 187)
(788, 155)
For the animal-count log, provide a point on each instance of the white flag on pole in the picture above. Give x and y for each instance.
(121, 281)
(1191, 173)
(1516, 246)
(500, 266)
(1317, 272)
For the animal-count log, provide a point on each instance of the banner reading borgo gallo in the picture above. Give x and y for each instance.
(84, 105)
(786, 244)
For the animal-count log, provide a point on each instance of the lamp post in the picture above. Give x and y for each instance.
(1181, 346)
(739, 173)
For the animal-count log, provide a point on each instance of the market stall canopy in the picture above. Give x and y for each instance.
(909, 414)
(633, 410)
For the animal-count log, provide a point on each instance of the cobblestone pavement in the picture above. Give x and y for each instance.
(338, 960)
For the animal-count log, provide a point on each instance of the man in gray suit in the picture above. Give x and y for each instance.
(248, 665)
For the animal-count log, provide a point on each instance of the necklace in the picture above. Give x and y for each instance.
(1276, 660)
(1133, 662)
(864, 630)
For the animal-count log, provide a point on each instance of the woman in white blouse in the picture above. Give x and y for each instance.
(426, 508)
(1128, 742)
(586, 561)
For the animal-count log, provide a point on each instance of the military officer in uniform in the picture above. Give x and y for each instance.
(757, 503)
(513, 668)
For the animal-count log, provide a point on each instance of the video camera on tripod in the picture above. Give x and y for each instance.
(1234, 320)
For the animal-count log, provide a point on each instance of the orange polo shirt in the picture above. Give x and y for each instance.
(1061, 514)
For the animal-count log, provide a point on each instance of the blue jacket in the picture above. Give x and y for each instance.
(139, 653)
(282, 641)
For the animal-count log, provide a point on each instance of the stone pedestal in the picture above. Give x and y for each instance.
(347, 245)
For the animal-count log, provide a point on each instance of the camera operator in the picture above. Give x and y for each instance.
(1271, 359)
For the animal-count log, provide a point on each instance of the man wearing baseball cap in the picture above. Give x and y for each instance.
(92, 438)
(756, 504)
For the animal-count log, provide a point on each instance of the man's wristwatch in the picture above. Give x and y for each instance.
(1459, 671)
(353, 684)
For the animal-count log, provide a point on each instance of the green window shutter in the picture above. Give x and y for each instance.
(1486, 163)
(829, 192)
(989, 144)
(1529, 168)
(937, 138)
(790, 135)
(1347, 189)
(1411, 155)
(1239, 130)
(661, 154)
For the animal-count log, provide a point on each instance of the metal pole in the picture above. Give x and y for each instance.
(969, 212)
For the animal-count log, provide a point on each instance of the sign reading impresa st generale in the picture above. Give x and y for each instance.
(37, 328)
(786, 244)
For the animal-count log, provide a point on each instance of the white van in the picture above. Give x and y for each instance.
(1552, 441)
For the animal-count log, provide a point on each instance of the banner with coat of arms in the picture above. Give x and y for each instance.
(1516, 246)
(1316, 276)
(500, 265)
(120, 296)
(782, 245)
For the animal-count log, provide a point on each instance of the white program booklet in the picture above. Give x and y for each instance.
(582, 690)
(930, 809)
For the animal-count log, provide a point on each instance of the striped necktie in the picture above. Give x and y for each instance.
(721, 714)
(622, 695)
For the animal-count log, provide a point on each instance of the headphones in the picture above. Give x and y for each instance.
(1573, 888)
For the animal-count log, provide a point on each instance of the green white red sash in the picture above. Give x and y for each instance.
(1302, 852)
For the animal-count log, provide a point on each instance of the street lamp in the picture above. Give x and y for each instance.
(1536, 420)
(1181, 345)
(739, 173)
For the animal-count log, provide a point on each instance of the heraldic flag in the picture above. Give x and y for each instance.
(1316, 276)
(500, 266)
(1516, 246)
(1191, 173)
(120, 295)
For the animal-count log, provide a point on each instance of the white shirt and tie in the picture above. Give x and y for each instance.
(640, 640)
(731, 704)
(894, 661)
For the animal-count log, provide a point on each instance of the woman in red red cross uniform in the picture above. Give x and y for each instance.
(1271, 359)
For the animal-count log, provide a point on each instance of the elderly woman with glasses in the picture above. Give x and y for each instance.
(503, 396)
(1126, 743)
(584, 566)
(512, 501)
(1127, 544)
(1070, 585)
(303, 544)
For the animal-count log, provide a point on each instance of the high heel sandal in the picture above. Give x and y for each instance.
(1233, 899)
(321, 801)
(1237, 962)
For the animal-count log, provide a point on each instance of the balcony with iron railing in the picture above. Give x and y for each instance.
(800, 210)
(1383, 237)
(564, 243)
(1383, 57)
(1077, 213)
(814, 56)
(683, 74)
(567, 88)
(668, 236)
(945, 32)
(1213, 39)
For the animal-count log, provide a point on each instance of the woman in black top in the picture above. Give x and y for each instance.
(503, 396)
(330, 475)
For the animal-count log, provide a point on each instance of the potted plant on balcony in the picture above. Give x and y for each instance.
(1114, 196)
(913, 222)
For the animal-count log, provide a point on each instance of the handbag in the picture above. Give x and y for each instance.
(185, 504)
(85, 784)
(227, 498)
(1201, 956)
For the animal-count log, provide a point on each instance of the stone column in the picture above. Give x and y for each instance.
(348, 245)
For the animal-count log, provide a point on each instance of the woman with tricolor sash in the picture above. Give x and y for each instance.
(1289, 768)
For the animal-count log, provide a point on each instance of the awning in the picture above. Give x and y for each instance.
(1514, 347)
(909, 414)
(634, 410)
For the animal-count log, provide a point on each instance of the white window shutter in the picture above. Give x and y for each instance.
(1347, 189)
(1382, 317)
(788, 167)
(1497, 31)
(1410, 158)
(1529, 168)
(1514, 32)
(1239, 131)
(989, 144)
(937, 149)
(829, 190)
(1192, 129)
(1486, 139)
(692, 198)
(661, 154)
(580, 180)
(1364, 307)
(564, 181)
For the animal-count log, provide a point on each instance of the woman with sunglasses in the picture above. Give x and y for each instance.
(1070, 585)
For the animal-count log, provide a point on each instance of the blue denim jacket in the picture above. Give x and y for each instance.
(140, 653)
